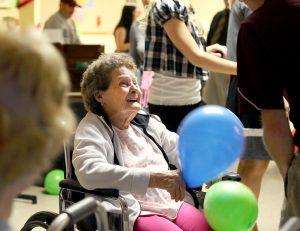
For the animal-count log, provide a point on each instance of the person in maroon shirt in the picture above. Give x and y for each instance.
(267, 56)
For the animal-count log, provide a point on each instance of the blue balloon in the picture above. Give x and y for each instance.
(211, 139)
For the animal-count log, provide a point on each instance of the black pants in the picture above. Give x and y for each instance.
(171, 116)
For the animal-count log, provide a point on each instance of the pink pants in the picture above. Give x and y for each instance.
(188, 219)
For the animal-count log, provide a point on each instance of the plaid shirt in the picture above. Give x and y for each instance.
(160, 54)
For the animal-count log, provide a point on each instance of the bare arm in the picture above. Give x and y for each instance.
(183, 40)
(120, 35)
(170, 181)
(278, 138)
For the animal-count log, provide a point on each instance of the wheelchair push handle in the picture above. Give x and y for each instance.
(74, 213)
(81, 209)
(232, 176)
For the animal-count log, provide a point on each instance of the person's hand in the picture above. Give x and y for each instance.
(217, 50)
(170, 181)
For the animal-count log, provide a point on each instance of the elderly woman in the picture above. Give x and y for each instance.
(116, 147)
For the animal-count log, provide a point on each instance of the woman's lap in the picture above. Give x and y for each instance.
(188, 219)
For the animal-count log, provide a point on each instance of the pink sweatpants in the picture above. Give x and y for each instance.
(188, 219)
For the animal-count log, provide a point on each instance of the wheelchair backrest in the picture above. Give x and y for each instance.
(77, 106)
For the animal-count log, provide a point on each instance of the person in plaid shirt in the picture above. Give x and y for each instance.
(176, 52)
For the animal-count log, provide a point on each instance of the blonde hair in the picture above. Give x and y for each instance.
(34, 115)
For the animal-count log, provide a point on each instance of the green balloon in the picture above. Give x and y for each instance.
(52, 179)
(230, 206)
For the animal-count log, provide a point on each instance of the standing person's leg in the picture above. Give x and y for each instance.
(215, 90)
(255, 159)
(222, 83)
(252, 172)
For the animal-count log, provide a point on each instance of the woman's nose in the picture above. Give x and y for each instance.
(134, 88)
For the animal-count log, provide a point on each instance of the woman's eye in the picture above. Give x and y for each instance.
(126, 84)
(129, 83)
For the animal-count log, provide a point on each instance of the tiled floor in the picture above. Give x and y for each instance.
(269, 203)
(23, 209)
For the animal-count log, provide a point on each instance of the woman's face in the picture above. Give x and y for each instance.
(123, 96)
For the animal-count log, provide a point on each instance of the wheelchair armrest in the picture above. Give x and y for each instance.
(79, 211)
(232, 176)
(75, 186)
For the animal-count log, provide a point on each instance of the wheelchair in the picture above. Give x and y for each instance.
(72, 193)
(77, 212)
(71, 215)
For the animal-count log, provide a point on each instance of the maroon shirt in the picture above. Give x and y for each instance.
(268, 51)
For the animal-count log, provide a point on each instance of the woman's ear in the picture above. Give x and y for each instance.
(98, 97)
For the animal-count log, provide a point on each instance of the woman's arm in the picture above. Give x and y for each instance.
(184, 42)
(120, 36)
(93, 157)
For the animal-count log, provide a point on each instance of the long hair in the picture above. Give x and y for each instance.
(126, 18)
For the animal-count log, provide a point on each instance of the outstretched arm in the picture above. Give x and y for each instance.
(183, 40)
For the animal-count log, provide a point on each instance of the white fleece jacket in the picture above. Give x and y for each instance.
(93, 160)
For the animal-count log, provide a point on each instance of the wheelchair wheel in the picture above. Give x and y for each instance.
(40, 219)
(34, 224)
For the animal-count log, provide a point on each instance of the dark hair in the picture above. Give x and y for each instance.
(126, 19)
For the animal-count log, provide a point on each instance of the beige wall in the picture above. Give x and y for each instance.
(109, 11)
(206, 9)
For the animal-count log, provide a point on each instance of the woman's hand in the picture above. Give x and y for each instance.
(217, 50)
(171, 181)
